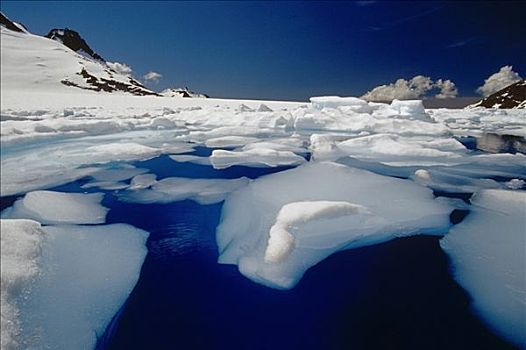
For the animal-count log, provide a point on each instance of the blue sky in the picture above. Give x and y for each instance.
(293, 50)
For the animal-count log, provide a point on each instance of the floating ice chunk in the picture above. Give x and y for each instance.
(106, 185)
(401, 208)
(40, 176)
(177, 148)
(446, 182)
(281, 240)
(86, 274)
(173, 189)
(21, 242)
(274, 145)
(142, 181)
(398, 150)
(49, 207)
(411, 109)
(229, 141)
(256, 157)
(323, 146)
(351, 103)
(488, 254)
(191, 159)
(121, 151)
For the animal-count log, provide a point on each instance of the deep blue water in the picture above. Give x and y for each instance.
(396, 295)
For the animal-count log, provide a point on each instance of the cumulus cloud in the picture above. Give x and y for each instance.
(447, 89)
(152, 77)
(121, 68)
(415, 88)
(498, 81)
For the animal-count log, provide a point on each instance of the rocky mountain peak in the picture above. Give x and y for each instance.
(74, 41)
(513, 96)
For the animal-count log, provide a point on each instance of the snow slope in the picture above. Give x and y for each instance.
(49, 65)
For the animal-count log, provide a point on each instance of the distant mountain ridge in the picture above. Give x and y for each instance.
(513, 96)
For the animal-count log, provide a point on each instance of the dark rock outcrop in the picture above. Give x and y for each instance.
(7, 23)
(102, 84)
(513, 96)
(74, 41)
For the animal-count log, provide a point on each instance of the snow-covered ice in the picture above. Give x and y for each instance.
(400, 208)
(291, 215)
(50, 207)
(173, 189)
(86, 273)
(488, 256)
(255, 157)
(21, 243)
(53, 277)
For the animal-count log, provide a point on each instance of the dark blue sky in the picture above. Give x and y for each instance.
(293, 50)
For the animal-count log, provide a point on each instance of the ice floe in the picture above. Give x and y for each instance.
(85, 275)
(488, 256)
(254, 157)
(49, 207)
(397, 208)
(173, 189)
(21, 243)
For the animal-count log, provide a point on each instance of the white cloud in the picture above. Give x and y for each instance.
(498, 81)
(415, 88)
(447, 89)
(121, 68)
(153, 77)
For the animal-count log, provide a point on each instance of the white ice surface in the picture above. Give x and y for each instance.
(183, 158)
(86, 274)
(229, 141)
(142, 181)
(398, 150)
(21, 243)
(281, 239)
(254, 157)
(400, 208)
(173, 189)
(488, 256)
(50, 207)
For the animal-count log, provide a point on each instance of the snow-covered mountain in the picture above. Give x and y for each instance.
(182, 92)
(63, 60)
(513, 96)
(57, 64)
